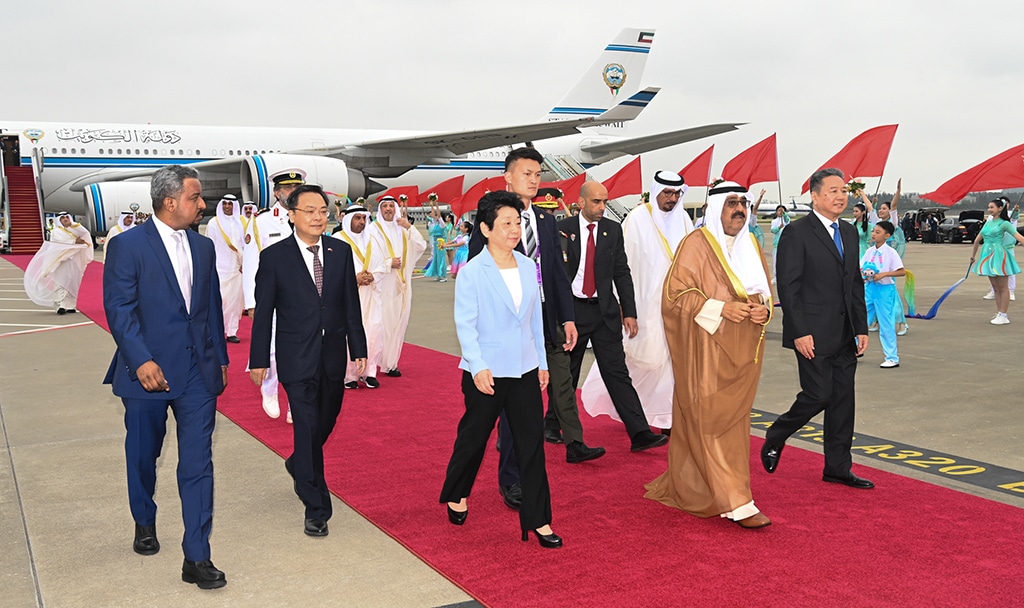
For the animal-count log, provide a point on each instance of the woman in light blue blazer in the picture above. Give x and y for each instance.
(501, 332)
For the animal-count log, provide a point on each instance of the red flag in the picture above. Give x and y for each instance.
(570, 187)
(468, 201)
(1004, 170)
(758, 163)
(446, 191)
(627, 181)
(698, 172)
(864, 156)
(412, 192)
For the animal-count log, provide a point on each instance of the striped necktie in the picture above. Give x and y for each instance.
(318, 269)
(529, 237)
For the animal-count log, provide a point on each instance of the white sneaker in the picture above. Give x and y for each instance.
(889, 364)
(1000, 319)
(903, 329)
(989, 296)
(271, 406)
(873, 327)
(1013, 298)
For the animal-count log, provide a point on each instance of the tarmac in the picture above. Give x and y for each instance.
(66, 531)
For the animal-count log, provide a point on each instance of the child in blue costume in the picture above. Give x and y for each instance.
(779, 224)
(461, 244)
(437, 267)
(879, 264)
(898, 241)
(752, 226)
(997, 261)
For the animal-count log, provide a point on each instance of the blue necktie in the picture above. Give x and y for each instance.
(837, 239)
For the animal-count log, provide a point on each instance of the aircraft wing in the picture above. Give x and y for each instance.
(603, 152)
(220, 166)
(456, 143)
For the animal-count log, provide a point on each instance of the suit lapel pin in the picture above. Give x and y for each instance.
(540, 215)
(604, 234)
(572, 237)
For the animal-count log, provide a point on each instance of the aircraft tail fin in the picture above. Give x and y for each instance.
(614, 75)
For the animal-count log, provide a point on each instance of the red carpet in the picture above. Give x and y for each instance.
(906, 543)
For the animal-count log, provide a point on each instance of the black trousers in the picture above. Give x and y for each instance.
(826, 384)
(315, 405)
(519, 399)
(611, 360)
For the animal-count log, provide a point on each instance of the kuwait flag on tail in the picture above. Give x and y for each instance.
(864, 156)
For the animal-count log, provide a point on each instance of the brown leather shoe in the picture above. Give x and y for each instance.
(757, 520)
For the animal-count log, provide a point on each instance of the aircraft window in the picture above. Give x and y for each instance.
(136, 151)
(63, 150)
(197, 152)
(239, 152)
(231, 152)
(120, 151)
(146, 151)
(247, 153)
(110, 150)
(101, 151)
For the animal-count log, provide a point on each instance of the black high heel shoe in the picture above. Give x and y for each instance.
(548, 541)
(456, 517)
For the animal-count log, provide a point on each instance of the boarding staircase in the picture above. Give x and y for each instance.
(561, 167)
(26, 230)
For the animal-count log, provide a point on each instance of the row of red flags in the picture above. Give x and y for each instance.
(864, 156)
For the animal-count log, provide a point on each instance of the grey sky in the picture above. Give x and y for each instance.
(817, 73)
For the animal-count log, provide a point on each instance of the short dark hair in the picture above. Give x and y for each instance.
(293, 199)
(488, 207)
(818, 177)
(522, 153)
(169, 181)
(887, 226)
(783, 207)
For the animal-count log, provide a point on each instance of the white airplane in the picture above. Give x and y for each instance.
(95, 171)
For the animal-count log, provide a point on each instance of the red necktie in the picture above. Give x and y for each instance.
(589, 283)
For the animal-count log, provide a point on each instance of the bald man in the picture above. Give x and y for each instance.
(595, 262)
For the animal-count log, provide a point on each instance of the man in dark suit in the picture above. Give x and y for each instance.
(540, 243)
(825, 322)
(595, 260)
(161, 296)
(309, 281)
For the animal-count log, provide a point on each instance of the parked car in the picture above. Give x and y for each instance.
(920, 222)
(969, 225)
(949, 230)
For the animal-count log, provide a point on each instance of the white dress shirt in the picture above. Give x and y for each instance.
(171, 245)
(577, 281)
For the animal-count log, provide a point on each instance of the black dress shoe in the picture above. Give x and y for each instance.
(371, 382)
(393, 373)
(553, 436)
(770, 456)
(548, 541)
(288, 467)
(61, 311)
(145, 540)
(577, 451)
(233, 339)
(352, 385)
(316, 527)
(203, 574)
(457, 517)
(513, 496)
(849, 480)
(645, 440)
(71, 311)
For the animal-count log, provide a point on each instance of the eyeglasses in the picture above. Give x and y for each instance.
(671, 192)
(311, 213)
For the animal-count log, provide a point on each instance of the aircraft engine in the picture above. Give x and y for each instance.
(105, 201)
(332, 174)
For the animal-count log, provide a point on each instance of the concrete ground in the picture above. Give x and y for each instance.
(65, 528)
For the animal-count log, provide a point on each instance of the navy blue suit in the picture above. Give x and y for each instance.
(313, 331)
(148, 321)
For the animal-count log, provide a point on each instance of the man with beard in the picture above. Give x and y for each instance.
(162, 300)
(401, 245)
(652, 233)
(269, 227)
(716, 304)
(370, 267)
(125, 222)
(226, 232)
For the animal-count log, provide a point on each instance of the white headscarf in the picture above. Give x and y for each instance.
(744, 260)
(673, 224)
(363, 237)
(391, 228)
(230, 224)
(120, 220)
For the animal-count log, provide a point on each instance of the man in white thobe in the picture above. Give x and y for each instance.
(265, 229)
(55, 272)
(652, 233)
(370, 266)
(402, 245)
(228, 236)
(124, 223)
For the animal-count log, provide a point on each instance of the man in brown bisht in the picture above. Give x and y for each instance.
(716, 303)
